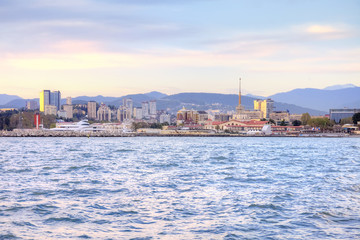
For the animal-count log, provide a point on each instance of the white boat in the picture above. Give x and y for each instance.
(82, 126)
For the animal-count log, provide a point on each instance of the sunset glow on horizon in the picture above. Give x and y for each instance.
(114, 48)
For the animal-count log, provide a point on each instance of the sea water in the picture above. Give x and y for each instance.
(180, 188)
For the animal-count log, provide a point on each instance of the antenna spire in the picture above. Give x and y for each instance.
(239, 91)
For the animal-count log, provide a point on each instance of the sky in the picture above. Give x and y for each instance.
(120, 47)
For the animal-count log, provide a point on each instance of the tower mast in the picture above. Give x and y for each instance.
(239, 91)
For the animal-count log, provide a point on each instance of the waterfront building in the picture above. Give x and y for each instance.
(338, 114)
(31, 105)
(243, 126)
(145, 109)
(280, 116)
(152, 108)
(104, 113)
(264, 106)
(50, 110)
(91, 110)
(165, 118)
(213, 125)
(68, 101)
(44, 99)
(69, 110)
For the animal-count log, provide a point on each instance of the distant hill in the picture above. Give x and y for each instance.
(98, 98)
(172, 103)
(320, 99)
(5, 98)
(17, 103)
(156, 95)
(227, 102)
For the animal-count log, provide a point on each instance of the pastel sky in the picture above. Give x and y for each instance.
(118, 47)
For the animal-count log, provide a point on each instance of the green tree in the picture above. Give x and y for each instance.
(217, 127)
(136, 125)
(356, 118)
(296, 123)
(283, 123)
(305, 118)
(348, 120)
(156, 125)
(322, 123)
(272, 121)
(47, 120)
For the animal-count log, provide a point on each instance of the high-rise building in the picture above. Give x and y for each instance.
(55, 99)
(138, 113)
(104, 113)
(265, 106)
(128, 104)
(68, 101)
(145, 109)
(91, 110)
(122, 114)
(44, 99)
(152, 108)
(50, 98)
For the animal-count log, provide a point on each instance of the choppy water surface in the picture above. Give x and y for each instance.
(179, 188)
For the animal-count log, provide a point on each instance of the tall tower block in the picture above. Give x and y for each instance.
(44, 99)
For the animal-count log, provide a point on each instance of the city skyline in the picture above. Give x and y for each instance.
(117, 48)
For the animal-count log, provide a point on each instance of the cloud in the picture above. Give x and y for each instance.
(328, 32)
(321, 29)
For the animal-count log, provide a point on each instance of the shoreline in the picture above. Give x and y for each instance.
(121, 134)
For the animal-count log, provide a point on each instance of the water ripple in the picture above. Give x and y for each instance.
(179, 188)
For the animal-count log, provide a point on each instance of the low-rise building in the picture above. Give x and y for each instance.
(31, 105)
(338, 114)
(69, 110)
(50, 110)
(235, 125)
(165, 118)
(185, 116)
(280, 116)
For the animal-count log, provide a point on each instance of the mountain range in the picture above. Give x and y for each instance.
(313, 101)
(321, 99)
